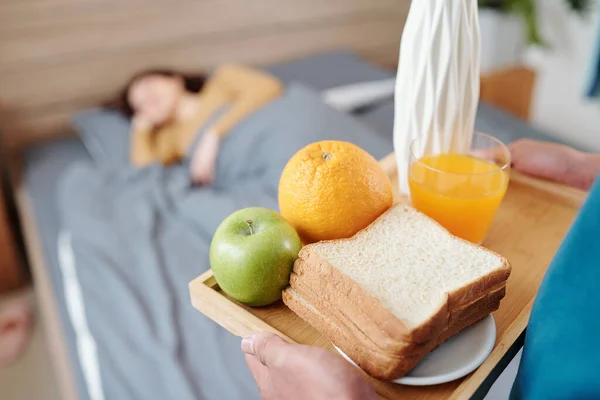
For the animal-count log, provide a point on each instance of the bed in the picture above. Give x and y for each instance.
(50, 75)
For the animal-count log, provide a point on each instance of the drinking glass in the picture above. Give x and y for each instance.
(460, 191)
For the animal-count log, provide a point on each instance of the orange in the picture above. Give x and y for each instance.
(332, 190)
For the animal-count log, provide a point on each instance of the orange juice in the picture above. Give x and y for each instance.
(461, 192)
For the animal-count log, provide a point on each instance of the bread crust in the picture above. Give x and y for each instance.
(379, 364)
(482, 303)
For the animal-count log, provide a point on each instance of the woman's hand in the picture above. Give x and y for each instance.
(298, 372)
(141, 124)
(204, 159)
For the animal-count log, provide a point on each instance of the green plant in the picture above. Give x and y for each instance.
(526, 9)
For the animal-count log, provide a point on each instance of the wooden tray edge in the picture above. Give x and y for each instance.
(230, 315)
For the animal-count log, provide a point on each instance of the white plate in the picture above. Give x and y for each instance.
(458, 356)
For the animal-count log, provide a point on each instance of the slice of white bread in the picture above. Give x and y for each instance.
(405, 271)
(378, 364)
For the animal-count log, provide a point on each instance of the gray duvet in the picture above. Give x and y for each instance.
(139, 237)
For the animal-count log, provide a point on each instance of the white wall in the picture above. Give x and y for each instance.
(560, 105)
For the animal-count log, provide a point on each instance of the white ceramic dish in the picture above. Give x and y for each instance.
(458, 356)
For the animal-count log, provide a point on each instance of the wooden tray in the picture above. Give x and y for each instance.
(528, 229)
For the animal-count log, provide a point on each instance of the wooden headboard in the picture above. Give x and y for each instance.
(59, 56)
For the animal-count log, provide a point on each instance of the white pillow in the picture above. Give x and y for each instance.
(350, 97)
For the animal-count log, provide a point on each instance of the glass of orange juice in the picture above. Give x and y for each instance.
(461, 191)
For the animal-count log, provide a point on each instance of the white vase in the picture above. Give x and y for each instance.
(437, 85)
(503, 40)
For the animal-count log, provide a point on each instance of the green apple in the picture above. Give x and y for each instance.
(252, 254)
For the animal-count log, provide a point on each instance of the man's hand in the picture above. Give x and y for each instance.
(554, 162)
(297, 372)
(204, 160)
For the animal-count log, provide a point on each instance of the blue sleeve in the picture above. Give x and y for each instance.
(561, 357)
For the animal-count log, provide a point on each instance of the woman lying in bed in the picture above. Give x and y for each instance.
(168, 110)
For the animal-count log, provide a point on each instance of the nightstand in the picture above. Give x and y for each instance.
(11, 270)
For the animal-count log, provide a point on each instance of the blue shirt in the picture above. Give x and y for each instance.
(561, 357)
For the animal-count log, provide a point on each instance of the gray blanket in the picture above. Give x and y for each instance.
(139, 237)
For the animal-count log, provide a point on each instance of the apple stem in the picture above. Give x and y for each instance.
(249, 222)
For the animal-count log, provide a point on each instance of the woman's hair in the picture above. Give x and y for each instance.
(192, 82)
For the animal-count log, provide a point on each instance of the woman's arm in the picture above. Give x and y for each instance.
(141, 153)
(247, 89)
